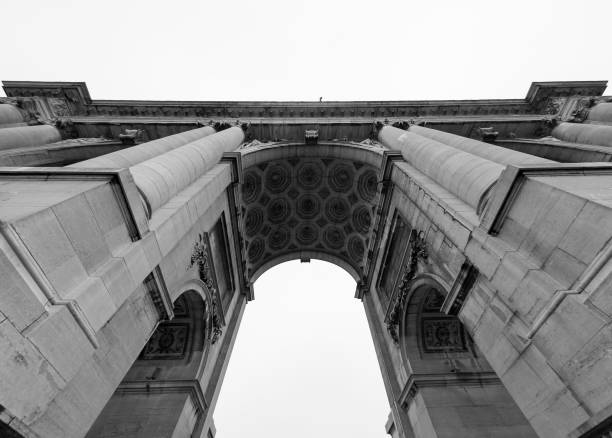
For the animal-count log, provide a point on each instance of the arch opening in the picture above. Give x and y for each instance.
(303, 364)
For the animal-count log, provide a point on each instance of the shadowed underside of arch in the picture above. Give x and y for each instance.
(303, 202)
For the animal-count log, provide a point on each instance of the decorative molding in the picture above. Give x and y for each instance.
(417, 251)
(425, 380)
(384, 190)
(542, 95)
(235, 199)
(75, 91)
(202, 258)
(191, 387)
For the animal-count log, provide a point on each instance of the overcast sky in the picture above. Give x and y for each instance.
(304, 364)
(302, 50)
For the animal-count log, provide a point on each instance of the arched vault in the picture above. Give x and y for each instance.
(303, 202)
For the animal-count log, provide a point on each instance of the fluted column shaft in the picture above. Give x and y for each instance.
(600, 135)
(484, 150)
(28, 136)
(162, 177)
(466, 175)
(137, 154)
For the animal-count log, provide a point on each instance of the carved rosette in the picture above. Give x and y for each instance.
(417, 251)
(308, 204)
(200, 257)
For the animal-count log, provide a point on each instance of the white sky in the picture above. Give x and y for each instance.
(301, 50)
(304, 364)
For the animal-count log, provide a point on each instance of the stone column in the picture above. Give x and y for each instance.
(28, 136)
(491, 152)
(137, 154)
(602, 112)
(600, 135)
(10, 115)
(160, 178)
(467, 176)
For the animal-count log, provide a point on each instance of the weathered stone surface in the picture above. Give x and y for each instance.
(87, 277)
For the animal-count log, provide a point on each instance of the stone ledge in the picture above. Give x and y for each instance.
(416, 381)
(509, 184)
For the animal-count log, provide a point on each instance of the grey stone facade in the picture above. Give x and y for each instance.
(478, 233)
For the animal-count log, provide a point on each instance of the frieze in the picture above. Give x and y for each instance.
(292, 110)
(72, 99)
(58, 106)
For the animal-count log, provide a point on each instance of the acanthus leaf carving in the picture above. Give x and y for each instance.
(417, 251)
(200, 257)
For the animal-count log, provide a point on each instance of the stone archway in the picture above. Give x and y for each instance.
(93, 254)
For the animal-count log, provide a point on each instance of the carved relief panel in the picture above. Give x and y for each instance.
(171, 339)
(439, 332)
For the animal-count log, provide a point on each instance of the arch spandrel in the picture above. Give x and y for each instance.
(309, 201)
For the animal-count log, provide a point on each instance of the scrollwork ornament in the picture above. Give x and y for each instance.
(418, 251)
(200, 258)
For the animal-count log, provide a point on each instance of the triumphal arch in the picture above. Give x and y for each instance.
(477, 232)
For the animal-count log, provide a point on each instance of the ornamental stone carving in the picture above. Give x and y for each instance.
(308, 206)
(341, 177)
(277, 177)
(367, 185)
(169, 341)
(202, 259)
(253, 221)
(313, 204)
(251, 187)
(309, 175)
(418, 251)
(440, 333)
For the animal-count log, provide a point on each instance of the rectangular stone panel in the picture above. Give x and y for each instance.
(442, 334)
